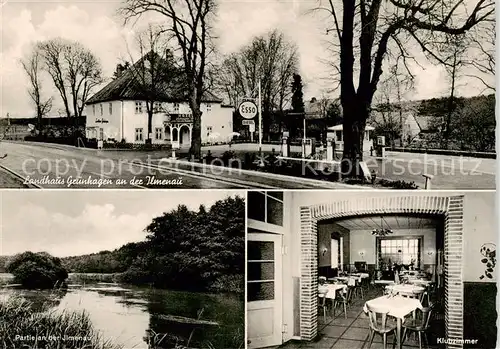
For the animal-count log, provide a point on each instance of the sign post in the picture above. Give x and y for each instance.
(248, 110)
(260, 121)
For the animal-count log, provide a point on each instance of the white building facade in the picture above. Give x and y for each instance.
(127, 120)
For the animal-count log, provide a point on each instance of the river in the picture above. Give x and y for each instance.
(124, 313)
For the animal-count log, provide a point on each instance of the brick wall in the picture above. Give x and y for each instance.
(450, 207)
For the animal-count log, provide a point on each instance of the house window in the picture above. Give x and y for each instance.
(209, 107)
(209, 130)
(93, 109)
(138, 107)
(138, 135)
(158, 133)
(101, 134)
(400, 250)
(176, 107)
(156, 107)
(100, 107)
(338, 135)
(110, 108)
(266, 207)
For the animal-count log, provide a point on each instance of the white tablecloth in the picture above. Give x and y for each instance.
(405, 288)
(351, 280)
(332, 290)
(384, 282)
(397, 306)
(419, 282)
(361, 275)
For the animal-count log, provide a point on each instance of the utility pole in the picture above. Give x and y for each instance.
(304, 128)
(260, 120)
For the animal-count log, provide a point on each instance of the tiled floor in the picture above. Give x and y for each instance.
(350, 333)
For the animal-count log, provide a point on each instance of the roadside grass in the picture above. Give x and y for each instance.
(9, 181)
(23, 327)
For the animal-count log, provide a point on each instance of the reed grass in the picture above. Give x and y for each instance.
(23, 327)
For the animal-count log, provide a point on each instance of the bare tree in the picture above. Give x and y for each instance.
(32, 66)
(188, 23)
(483, 44)
(154, 76)
(388, 114)
(270, 58)
(454, 53)
(381, 28)
(75, 71)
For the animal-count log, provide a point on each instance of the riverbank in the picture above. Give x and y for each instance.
(224, 284)
(21, 326)
(126, 316)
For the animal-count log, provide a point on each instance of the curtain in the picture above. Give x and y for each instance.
(335, 253)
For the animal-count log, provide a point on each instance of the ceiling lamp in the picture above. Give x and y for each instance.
(382, 231)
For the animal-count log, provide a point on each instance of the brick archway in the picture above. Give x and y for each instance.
(450, 207)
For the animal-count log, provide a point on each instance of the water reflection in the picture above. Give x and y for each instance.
(129, 315)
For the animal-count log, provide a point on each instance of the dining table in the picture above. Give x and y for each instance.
(332, 290)
(405, 288)
(419, 282)
(396, 306)
(384, 282)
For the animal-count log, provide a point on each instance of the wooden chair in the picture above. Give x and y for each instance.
(418, 324)
(380, 325)
(322, 302)
(429, 295)
(358, 289)
(342, 299)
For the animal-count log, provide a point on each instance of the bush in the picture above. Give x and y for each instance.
(37, 270)
(397, 184)
(227, 156)
(135, 276)
(249, 161)
(208, 158)
(20, 323)
(228, 283)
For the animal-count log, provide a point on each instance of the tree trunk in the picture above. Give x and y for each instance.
(149, 141)
(39, 117)
(354, 125)
(451, 105)
(195, 149)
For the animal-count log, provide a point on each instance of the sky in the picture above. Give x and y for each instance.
(96, 24)
(70, 223)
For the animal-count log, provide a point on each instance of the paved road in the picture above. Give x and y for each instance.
(449, 172)
(60, 166)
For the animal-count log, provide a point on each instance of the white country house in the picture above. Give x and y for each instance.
(117, 113)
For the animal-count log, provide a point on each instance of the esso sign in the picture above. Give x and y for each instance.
(248, 110)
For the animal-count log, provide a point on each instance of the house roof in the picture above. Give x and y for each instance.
(426, 123)
(316, 109)
(126, 87)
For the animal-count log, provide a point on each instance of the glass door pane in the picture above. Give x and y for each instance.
(260, 271)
